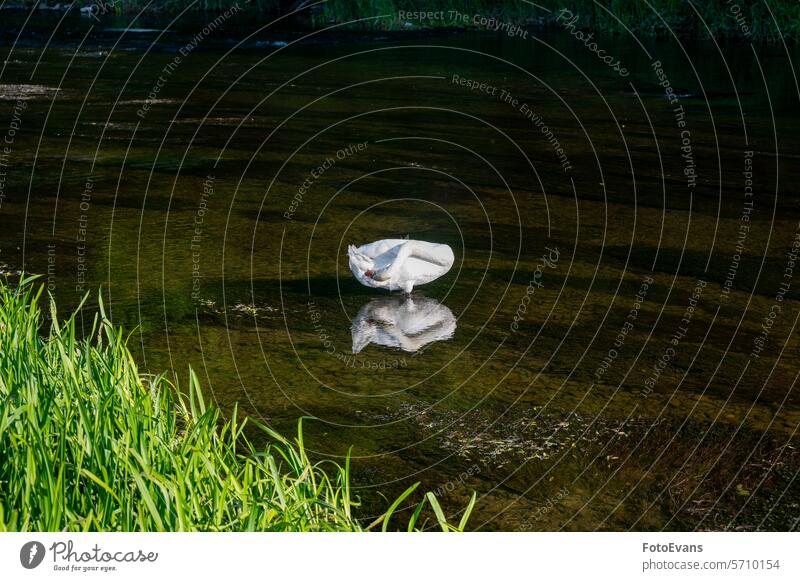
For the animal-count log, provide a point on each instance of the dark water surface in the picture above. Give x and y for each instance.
(616, 362)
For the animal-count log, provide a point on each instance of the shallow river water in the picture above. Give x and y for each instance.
(616, 344)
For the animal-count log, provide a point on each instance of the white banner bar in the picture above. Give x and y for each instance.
(349, 557)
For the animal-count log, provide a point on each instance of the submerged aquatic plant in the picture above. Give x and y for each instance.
(89, 443)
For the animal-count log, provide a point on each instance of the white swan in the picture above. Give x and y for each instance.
(404, 323)
(396, 264)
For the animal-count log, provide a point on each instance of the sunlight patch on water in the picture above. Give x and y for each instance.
(14, 92)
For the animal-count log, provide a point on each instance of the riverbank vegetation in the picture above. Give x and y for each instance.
(721, 18)
(762, 20)
(88, 443)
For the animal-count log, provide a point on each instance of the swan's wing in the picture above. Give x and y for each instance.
(374, 249)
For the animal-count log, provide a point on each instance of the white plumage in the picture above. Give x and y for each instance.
(403, 323)
(396, 264)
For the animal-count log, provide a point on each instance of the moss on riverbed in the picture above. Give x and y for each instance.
(577, 472)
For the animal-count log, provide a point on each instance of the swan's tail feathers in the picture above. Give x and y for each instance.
(358, 259)
(354, 252)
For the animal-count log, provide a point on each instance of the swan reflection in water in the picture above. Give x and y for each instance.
(407, 323)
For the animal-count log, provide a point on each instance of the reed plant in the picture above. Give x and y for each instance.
(88, 443)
